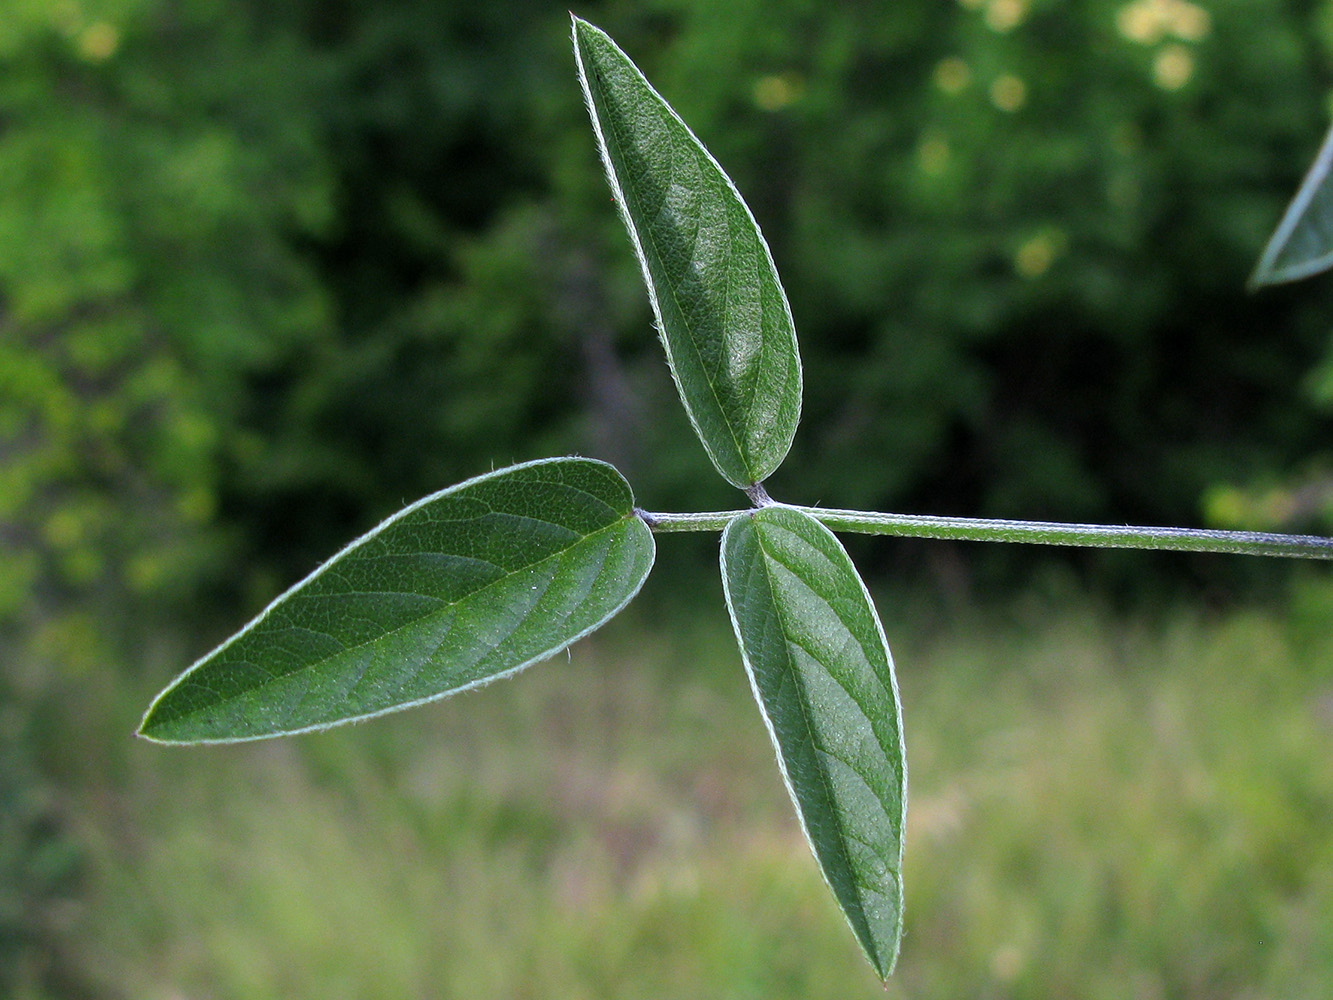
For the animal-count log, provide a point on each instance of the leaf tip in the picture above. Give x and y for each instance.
(144, 733)
(1258, 277)
(581, 28)
(884, 969)
(149, 727)
(882, 956)
(141, 730)
(1267, 272)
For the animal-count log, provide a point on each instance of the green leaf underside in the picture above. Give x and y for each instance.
(463, 587)
(721, 311)
(823, 677)
(1302, 244)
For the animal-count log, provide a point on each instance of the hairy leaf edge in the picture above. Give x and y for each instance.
(883, 969)
(754, 475)
(632, 515)
(1264, 272)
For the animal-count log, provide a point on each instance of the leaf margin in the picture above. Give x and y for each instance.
(645, 534)
(1265, 274)
(882, 962)
(746, 474)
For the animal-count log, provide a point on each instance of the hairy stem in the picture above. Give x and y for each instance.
(1255, 543)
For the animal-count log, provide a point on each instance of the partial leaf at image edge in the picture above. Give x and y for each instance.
(1302, 244)
(463, 587)
(823, 676)
(721, 311)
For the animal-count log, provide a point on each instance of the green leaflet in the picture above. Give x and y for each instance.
(1302, 244)
(721, 311)
(463, 587)
(823, 677)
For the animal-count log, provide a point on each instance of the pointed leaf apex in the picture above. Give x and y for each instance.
(1302, 244)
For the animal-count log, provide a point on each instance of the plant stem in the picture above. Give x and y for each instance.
(1255, 543)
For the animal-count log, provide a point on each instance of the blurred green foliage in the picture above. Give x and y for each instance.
(39, 868)
(269, 270)
(158, 168)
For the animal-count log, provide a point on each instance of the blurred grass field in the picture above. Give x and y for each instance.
(1098, 809)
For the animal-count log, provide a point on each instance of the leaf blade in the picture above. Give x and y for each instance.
(822, 674)
(466, 586)
(1302, 244)
(721, 312)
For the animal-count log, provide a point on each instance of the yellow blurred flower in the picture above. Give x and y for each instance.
(1008, 92)
(1189, 22)
(775, 92)
(1173, 67)
(1035, 257)
(1005, 15)
(952, 75)
(1149, 21)
(99, 41)
(933, 154)
(1140, 23)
